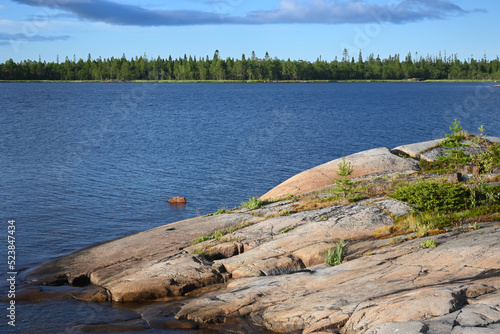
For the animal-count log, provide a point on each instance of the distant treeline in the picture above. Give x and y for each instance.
(254, 68)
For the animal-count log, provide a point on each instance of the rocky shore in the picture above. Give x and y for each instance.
(267, 264)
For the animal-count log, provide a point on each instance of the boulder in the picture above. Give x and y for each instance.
(226, 250)
(177, 200)
(454, 178)
(364, 163)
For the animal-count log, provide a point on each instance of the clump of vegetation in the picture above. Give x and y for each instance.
(287, 229)
(335, 255)
(205, 252)
(479, 192)
(220, 233)
(252, 203)
(442, 204)
(487, 155)
(218, 212)
(429, 223)
(345, 170)
(455, 138)
(312, 202)
(430, 243)
(433, 196)
(474, 226)
(285, 212)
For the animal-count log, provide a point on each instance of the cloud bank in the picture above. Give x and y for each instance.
(6, 39)
(289, 12)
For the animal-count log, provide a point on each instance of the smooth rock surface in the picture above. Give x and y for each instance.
(150, 265)
(364, 163)
(495, 140)
(419, 288)
(414, 150)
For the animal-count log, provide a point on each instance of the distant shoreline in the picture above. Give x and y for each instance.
(245, 81)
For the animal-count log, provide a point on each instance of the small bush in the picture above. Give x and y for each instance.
(345, 184)
(431, 243)
(431, 196)
(335, 255)
(252, 203)
(457, 136)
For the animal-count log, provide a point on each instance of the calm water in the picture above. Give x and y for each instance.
(83, 163)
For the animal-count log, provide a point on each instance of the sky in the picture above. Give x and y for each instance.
(295, 29)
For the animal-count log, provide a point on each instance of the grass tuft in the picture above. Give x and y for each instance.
(220, 233)
(335, 255)
(252, 203)
(431, 243)
(288, 229)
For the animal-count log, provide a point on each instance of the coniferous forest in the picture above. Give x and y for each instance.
(412, 66)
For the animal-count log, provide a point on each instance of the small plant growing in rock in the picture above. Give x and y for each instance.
(220, 233)
(218, 212)
(345, 170)
(474, 227)
(287, 229)
(431, 243)
(335, 255)
(252, 203)
(454, 140)
(458, 134)
(285, 212)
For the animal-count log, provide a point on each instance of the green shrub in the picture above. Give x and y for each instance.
(345, 170)
(252, 203)
(335, 255)
(432, 196)
(431, 243)
(457, 136)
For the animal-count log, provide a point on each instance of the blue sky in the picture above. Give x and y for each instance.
(296, 29)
